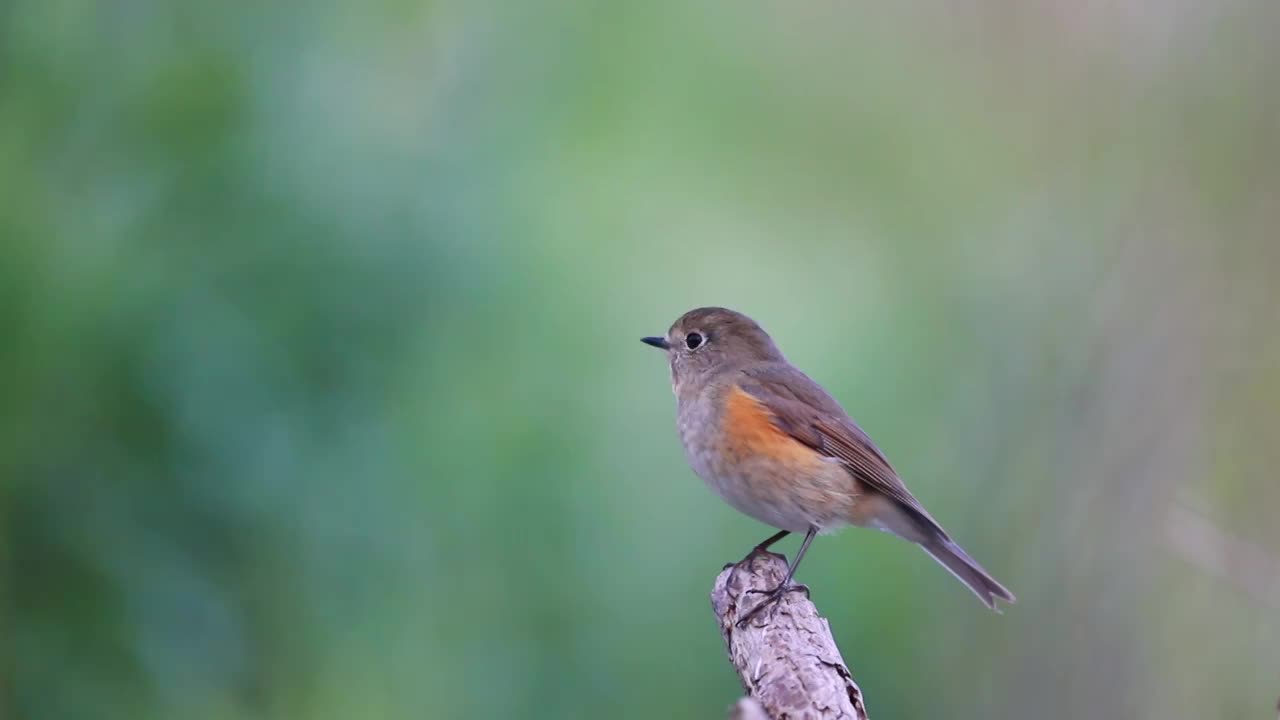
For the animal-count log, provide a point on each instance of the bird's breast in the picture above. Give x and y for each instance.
(733, 444)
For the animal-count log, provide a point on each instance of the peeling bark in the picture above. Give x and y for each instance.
(786, 658)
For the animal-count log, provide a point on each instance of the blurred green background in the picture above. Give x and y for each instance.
(322, 397)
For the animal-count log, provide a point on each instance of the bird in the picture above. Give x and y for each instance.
(777, 447)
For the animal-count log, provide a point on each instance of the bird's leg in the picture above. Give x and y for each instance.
(764, 545)
(774, 595)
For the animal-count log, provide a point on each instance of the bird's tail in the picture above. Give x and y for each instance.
(914, 525)
(953, 557)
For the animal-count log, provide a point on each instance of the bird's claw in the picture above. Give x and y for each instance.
(773, 596)
(756, 552)
(780, 591)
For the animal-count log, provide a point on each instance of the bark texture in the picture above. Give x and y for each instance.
(785, 657)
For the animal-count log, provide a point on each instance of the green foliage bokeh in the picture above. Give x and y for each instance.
(321, 395)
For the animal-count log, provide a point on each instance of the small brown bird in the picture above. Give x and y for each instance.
(777, 447)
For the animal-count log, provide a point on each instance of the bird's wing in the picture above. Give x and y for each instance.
(802, 409)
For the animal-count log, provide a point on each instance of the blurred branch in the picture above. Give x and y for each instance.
(747, 709)
(1223, 555)
(786, 657)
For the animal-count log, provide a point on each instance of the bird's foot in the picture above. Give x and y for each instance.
(771, 599)
(745, 562)
(761, 549)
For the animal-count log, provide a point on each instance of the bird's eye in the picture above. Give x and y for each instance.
(693, 340)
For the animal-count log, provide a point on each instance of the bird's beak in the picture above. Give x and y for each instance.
(657, 342)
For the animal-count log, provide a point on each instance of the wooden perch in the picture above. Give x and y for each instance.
(785, 657)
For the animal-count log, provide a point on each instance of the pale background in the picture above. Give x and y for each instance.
(322, 395)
